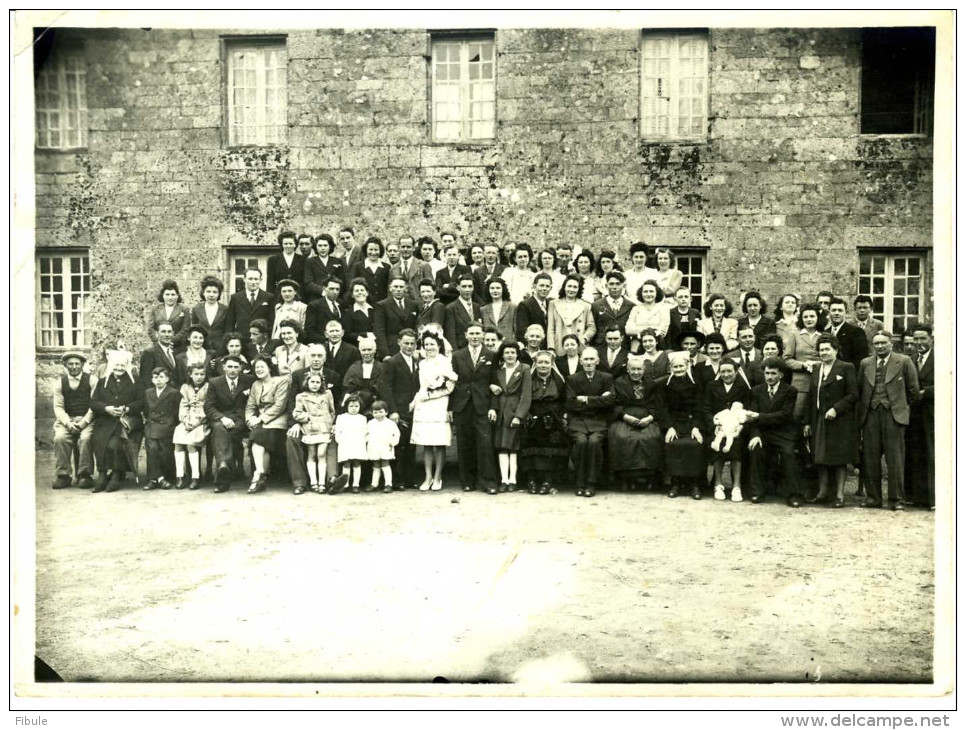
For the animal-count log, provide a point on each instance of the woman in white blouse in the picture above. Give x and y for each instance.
(668, 277)
(717, 318)
(650, 313)
(288, 307)
(547, 264)
(291, 355)
(639, 271)
(519, 278)
(584, 266)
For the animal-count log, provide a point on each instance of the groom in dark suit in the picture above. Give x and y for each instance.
(248, 304)
(225, 409)
(400, 382)
(469, 404)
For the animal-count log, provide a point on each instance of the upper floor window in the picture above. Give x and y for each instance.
(257, 95)
(63, 294)
(898, 73)
(61, 101)
(464, 89)
(674, 84)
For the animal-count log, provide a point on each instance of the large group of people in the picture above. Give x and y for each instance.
(555, 370)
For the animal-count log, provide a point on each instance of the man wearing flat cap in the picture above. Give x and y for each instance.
(73, 423)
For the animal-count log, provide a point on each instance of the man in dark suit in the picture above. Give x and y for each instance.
(773, 433)
(339, 356)
(287, 264)
(447, 277)
(392, 315)
(533, 309)
(159, 354)
(400, 380)
(460, 313)
(322, 267)
(469, 404)
(431, 309)
(853, 344)
(753, 306)
(410, 268)
(613, 355)
(748, 356)
(684, 318)
(615, 308)
(225, 409)
(491, 268)
(294, 448)
(923, 421)
(888, 388)
(258, 340)
(251, 303)
(161, 404)
(322, 311)
(590, 399)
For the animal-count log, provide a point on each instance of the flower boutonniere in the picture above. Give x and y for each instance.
(838, 377)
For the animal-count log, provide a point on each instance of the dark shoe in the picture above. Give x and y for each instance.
(114, 484)
(589, 492)
(898, 507)
(794, 502)
(387, 489)
(467, 489)
(838, 503)
(164, 483)
(153, 484)
(502, 489)
(532, 486)
(354, 490)
(338, 483)
(223, 475)
(579, 492)
(262, 481)
(544, 488)
(491, 490)
(696, 493)
(84, 481)
(179, 483)
(61, 482)
(371, 488)
(672, 492)
(757, 499)
(220, 487)
(102, 483)
(871, 503)
(299, 490)
(193, 484)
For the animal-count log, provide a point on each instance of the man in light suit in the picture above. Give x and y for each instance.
(251, 303)
(590, 399)
(469, 404)
(853, 344)
(393, 314)
(923, 421)
(888, 387)
(410, 268)
(460, 313)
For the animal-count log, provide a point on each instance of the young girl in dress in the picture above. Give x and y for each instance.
(351, 431)
(192, 431)
(315, 410)
(383, 437)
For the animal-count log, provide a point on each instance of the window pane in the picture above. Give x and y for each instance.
(463, 90)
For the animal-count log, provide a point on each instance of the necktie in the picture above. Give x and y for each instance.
(475, 354)
(253, 299)
(771, 392)
(169, 353)
(745, 356)
(405, 268)
(881, 364)
(400, 303)
(231, 387)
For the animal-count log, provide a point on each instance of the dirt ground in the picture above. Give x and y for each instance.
(193, 586)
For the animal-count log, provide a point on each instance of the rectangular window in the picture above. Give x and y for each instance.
(674, 84)
(63, 296)
(464, 89)
(257, 93)
(692, 266)
(898, 71)
(240, 261)
(61, 101)
(895, 283)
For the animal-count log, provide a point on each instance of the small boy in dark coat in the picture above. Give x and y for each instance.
(161, 404)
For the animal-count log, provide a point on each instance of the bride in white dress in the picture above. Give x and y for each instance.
(431, 428)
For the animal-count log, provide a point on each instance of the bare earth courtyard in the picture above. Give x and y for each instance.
(192, 586)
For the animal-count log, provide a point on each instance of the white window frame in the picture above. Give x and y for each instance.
(883, 304)
(466, 88)
(264, 132)
(247, 257)
(70, 109)
(697, 296)
(662, 87)
(75, 300)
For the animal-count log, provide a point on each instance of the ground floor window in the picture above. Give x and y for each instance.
(63, 297)
(239, 260)
(895, 283)
(693, 265)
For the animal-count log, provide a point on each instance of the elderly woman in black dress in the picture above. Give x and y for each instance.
(546, 446)
(684, 456)
(116, 404)
(636, 435)
(830, 418)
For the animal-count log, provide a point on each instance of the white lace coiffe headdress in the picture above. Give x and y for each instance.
(120, 356)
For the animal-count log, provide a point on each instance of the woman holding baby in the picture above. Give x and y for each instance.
(726, 399)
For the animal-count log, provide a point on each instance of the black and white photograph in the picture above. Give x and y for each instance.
(502, 354)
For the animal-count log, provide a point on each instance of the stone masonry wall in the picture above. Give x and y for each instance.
(783, 193)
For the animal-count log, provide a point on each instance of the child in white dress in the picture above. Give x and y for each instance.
(383, 437)
(351, 432)
(192, 431)
(315, 410)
